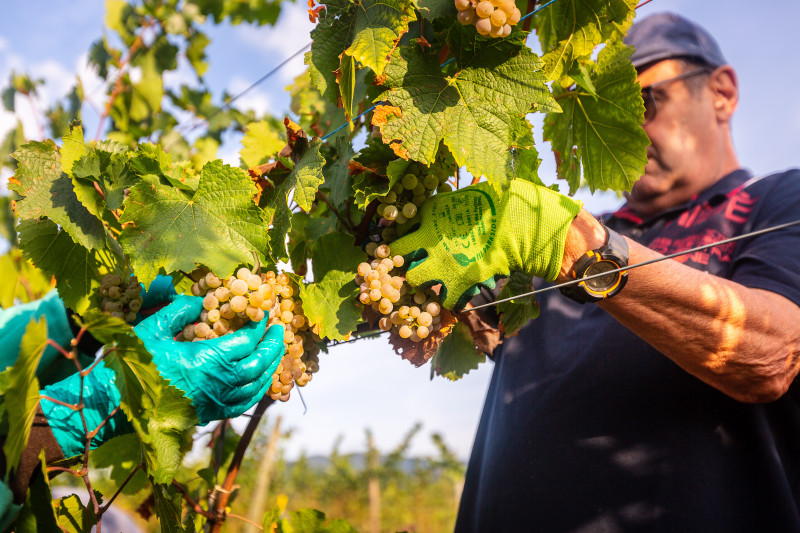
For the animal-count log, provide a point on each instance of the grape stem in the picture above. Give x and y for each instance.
(218, 515)
(322, 196)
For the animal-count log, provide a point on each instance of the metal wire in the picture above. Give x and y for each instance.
(637, 265)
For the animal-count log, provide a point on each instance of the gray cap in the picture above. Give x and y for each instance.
(667, 35)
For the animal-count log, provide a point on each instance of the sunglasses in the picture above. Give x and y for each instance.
(649, 99)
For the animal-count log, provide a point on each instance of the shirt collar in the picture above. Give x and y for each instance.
(718, 190)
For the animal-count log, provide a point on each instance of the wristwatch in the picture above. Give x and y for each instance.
(611, 256)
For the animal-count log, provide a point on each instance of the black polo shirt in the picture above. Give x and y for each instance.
(588, 428)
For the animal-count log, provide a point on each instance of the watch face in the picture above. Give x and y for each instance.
(603, 283)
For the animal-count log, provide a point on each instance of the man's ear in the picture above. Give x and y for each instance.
(725, 89)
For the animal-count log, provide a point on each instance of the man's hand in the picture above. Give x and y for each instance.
(225, 376)
(472, 237)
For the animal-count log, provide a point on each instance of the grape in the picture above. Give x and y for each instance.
(364, 269)
(506, 30)
(433, 309)
(484, 9)
(212, 281)
(405, 332)
(498, 18)
(255, 299)
(419, 298)
(398, 260)
(114, 292)
(444, 187)
(466, 17)
(390, 198)
(496, 31)
(238, 303)
(222, 294)
(213, 315)
(424, 319)
(239, 287)
(401, 219)
(430, 181)
(514, 17)
(253, 282)
(390, 213)
(423, 332)
(243, 273)
(461, 5)
(409, 181)
(382, 251)
(210, 302)
(201, 329)
(414, 312)
(508, 6)
(188, 332)
(409, 210)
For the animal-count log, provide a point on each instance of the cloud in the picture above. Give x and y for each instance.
(277, 43)
(255, 99)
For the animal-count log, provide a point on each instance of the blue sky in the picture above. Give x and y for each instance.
(365, 384)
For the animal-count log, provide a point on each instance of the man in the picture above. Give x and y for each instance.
(670, 404)
(222, 377)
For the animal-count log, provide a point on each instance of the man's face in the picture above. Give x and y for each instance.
(684, 134)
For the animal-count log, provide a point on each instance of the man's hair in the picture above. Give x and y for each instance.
(695, 84)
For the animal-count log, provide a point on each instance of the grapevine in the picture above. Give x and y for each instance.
(401, 101)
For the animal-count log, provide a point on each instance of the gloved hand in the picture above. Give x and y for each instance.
(225, 376)
(100, 397)
(160, 291)
(14, 320)
(471, 237)
(222, 377)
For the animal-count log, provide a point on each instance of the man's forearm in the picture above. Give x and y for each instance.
(742, 341)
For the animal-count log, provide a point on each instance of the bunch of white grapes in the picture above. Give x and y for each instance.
(407, 195)
(230, 303)
(411, 314)
(492, 18)
(121, 298)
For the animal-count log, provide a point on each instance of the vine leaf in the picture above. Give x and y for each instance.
(516, 313)
(367, 31)
(570, 29)
(161, 415)
(602, 134)
(260, 143)
(369, 185)
(456, 355)
(121, 454)
(330, 303)
(72, 516)
(331, 306)
(434, 9)
(478, 111)
(217, 226)
(168, 508)
(303, 182)
(347, 85)
(377, 27)
(77, 270)
(73, 147)
(48, 192)
(18, 273)
(22, 395)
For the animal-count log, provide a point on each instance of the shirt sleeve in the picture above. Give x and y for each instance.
(772, 261)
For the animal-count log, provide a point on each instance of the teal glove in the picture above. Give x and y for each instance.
(100, 397)
(159, 292)
(8, 509)
(471, 237)
(222, 377)
(225, 376)
(14, 320)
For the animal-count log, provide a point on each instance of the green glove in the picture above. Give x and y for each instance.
(471, 237)
(160, 291)
(100, 397)
(8, 509)
(14, 320)
(225, 376)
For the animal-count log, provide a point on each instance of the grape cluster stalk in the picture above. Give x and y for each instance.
(492, 18)
(412, 314)
(121, 298)
(228, 304)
